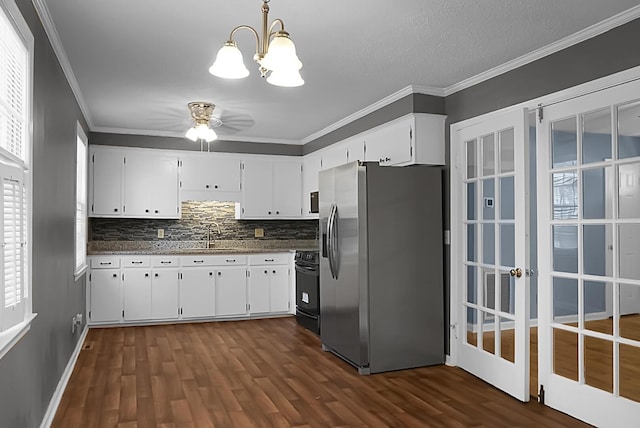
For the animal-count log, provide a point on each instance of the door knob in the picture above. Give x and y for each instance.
(517, 272)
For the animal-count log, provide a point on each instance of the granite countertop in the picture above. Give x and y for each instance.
(104, 248)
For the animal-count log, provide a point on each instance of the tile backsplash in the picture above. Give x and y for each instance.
(194, 225)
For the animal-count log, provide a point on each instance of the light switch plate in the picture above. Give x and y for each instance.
(160, 233)
(259, 232)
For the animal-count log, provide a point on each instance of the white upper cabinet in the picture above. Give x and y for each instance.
(106, 182)
(210, 177)
(413, 139)
(355, 149)
(310, 170)
(333, 156)
(151, 185)
(271, 188)
(136, 183)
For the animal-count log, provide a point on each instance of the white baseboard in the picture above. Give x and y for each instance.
(62, 384)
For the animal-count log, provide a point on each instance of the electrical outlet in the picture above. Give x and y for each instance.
(259, 233)
(160, 233)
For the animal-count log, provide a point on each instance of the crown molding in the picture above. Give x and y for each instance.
(171, 134)
(54, 38)
(408, 90)
(573, 39)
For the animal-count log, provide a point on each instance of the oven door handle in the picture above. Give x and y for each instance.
(305, 269)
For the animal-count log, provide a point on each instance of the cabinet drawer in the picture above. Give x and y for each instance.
(165, 261)
(105, 262)
(270, 259)
(230, 260)
(196, 260)
(135, 261)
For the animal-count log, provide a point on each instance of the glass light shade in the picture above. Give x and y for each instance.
(229, 63)
(192, 134)
(211, 135)
(203, 131)
(289, 78)
(281, 54)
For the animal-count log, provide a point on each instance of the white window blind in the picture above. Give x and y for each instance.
(13, 246)
(13, 90)
(81, 203)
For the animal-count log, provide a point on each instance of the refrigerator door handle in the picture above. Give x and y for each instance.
(333, 239)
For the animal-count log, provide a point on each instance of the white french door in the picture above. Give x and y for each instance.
(490, 249)
(588, 173)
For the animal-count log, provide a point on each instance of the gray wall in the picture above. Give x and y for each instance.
(30, 372)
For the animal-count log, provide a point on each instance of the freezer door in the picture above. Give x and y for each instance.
(340, 292)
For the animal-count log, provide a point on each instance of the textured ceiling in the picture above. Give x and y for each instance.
(138, 63)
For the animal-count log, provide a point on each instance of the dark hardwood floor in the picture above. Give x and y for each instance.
(268, 373)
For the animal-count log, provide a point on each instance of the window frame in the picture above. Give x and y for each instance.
(12, 336)
(80, 266)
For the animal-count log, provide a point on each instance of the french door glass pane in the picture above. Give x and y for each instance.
(565, 248)
(628, 131)
(507, 245)
(629, 309)
(507, 339)
(565, 195)
(489, 333)
(596, 136)
(594, 193)
(472, 243)
(472, 294)
(489, 278)
(595, 297)
(565, 301)
(488, 152)
(507, 198)
(488, 243)
(488, 193)
(598, 363)
(629, 363)
(597, 257)
(629, 191)
(507, 293)
(472, 326)
(565, 353)
(564, 145)
(471, 201)
(471, 159)
(629, 250)
(506, 151)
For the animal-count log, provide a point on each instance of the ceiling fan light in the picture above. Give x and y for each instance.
(202, 130)
(229, 63)
(281, 54)
(211, 135)
(289, 78)
(192, 134)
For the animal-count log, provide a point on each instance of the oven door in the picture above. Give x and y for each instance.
(307, 289)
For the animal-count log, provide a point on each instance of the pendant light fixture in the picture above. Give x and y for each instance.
(275, 54)
(203, 122)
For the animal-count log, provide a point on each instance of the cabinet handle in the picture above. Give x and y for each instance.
(269, 212)
(146, 211)
(165, 263)
(146, 275)
(157, 211)
(216, 186)
(156, 275)
(266, 271)
(206, 186)
(219, 273)
(136, 263)
(198, 261)
(268, 260)
(115, 275)
(115, 210)
(274, 271)
(105, 263)
(277, 212)
(385, 159)
(231, 260)
(210, 273)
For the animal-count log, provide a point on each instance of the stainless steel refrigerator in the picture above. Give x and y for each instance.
(381, 266)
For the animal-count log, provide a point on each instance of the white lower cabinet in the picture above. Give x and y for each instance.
(231, 291)
(105, 295)
(131, 289)
(164, 294)
(197, 292)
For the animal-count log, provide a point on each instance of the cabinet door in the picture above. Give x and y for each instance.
(106, 183)
(226, 174)
(164, 187)
(390, 144)
(333, 157)
(195, 173)
(280, 290)
(355, 150)
(287, 188)
(136, 286)
(138, 173)
(231, 291)
(257, 188)
(164, 294)
(105, 296)
(197, 293)
(259, 290)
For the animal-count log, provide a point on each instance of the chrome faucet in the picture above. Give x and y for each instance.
(209, 233)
